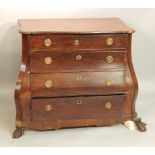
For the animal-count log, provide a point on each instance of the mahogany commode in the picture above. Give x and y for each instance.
(75, 72)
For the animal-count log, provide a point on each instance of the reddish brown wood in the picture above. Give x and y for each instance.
(57, 124)
(131, 83)
(86, 42)
(69, 108)
(22, 90)
(68, 84)
(76, 26)
(90, 61)
(31, 95)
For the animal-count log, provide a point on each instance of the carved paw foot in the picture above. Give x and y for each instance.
(140, 125)
(135, 124)
(18, 132)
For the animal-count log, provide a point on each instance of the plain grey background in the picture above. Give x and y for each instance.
(143, 55)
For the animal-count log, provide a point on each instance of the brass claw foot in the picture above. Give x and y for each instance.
(135, 124)
(140, 125)
(18, 132)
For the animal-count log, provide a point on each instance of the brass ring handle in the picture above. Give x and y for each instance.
(108, 105)
(48, 108)
(47, 42)
(48, 84)
(48, 60)
(76, 42)
(109, 59)
(108, 82)
(109, 41)
(79, 57)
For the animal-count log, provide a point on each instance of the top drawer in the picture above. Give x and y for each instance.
(77, 42)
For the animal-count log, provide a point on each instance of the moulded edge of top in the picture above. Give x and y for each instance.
(73, 26)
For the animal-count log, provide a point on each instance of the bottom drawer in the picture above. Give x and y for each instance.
(95, 107)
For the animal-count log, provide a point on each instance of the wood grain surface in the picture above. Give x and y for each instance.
(90, 61)
(73, 26)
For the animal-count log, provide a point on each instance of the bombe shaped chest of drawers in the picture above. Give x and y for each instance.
(74, 73)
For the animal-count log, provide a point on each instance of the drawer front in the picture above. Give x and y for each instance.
(95, 107)
(46, 62)
(83, 83)
(75, 42)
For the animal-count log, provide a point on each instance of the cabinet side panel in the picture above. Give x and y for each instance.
(22, 90)
(131, 83)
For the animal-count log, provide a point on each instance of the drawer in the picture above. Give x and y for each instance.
(93, 107)
(77, 42)
(46, 62)
(82, 83)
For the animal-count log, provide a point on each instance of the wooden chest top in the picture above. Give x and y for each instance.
(73, 26)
